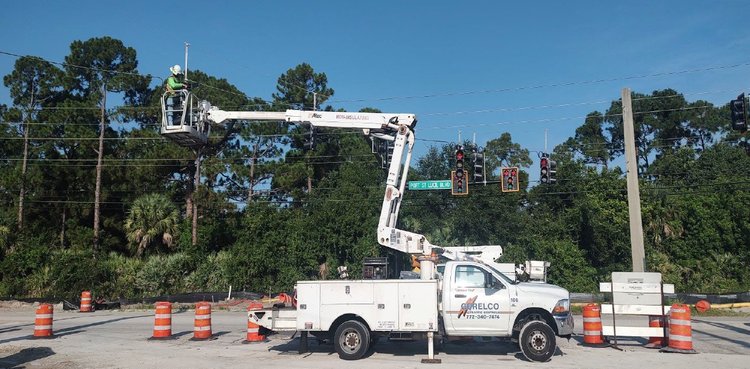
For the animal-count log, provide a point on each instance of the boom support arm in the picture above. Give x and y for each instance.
(398, 128)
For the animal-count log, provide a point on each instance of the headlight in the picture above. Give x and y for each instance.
(562, 307)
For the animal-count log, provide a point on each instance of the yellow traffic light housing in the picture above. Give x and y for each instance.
(459, 185)
(509, 180)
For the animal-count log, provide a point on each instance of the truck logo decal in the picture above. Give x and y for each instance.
(465, 307)
(471, 309)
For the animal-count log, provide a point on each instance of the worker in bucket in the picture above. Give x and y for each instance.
(175, 84)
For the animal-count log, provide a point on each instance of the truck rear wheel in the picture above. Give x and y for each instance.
(537, 341)
(352, 340)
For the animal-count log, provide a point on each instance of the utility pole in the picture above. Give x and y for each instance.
(634, 198)
(187, 45)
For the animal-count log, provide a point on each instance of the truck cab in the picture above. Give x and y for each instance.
(478, 300)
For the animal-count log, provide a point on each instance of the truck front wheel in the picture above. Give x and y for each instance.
(537, 341)
(352, 339)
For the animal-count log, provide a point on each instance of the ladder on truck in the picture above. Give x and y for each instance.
(182, 121)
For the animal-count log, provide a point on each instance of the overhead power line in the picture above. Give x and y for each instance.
(445, 94)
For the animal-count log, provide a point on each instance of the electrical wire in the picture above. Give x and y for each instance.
(447, 94)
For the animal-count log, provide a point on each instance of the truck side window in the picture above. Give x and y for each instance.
(468, 276)
(495, 283)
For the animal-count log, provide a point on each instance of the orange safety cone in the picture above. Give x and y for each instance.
(202, 329)
(592, 325)
(680, 330)
(162, 321)
(85, 302)
(43, 321)
(702, 306)
(253, 329)
(658, 322)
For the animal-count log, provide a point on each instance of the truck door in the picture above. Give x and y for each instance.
(478, 302)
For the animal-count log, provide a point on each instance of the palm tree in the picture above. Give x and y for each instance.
(152, 221)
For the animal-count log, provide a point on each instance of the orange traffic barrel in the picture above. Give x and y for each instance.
(680, 330)
(163, 321)
(253, 329)
(85, 302)
(592, 325)
(43, 321)
(658, 322)
(202, 329)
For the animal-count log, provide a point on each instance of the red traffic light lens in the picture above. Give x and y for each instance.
(544, 162)
(459, 155)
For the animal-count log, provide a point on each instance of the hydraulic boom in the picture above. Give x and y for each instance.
(192, 127)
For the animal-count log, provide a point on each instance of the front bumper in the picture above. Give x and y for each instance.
(565, 324)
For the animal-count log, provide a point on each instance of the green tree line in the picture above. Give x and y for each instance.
(92, 197)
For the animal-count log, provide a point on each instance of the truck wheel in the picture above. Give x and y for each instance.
(537, 341)
(352, 339)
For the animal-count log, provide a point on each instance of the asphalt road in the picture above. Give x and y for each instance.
(115, 339)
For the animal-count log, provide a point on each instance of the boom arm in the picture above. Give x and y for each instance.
(398, 128)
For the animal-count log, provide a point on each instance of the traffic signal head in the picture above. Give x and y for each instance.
(739, 113)
(459, 186)
(459, 176)
(509, 182)
(459, 161)
(552, 171)
(544, 174)
(478, 167)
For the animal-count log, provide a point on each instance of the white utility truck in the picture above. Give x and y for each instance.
(470, 297)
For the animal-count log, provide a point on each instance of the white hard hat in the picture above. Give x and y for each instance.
(176, 69)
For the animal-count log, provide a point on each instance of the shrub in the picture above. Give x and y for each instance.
(162, 275)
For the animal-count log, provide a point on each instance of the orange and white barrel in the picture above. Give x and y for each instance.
(162, 320)
(253, 329)
(655, 321)
(85, 302)
(202, 329)
(592, 325)
(43, 321)
(680, 330)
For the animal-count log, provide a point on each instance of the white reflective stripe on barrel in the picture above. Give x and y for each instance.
(592, 320)
(676, 337)
(42, 327)
(163, 316)
(206, 328)
(679, 322)
(252, 330)
(203, 317)
(592, 333)
(162, 327)
(42, 316)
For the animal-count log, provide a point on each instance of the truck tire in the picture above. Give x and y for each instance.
(537, 341)
(352, 340)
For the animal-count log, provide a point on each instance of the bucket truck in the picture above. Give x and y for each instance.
(471, 297)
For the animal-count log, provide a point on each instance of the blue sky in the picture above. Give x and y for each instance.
(478, 67)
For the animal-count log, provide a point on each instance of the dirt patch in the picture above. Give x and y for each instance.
(16, 305)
